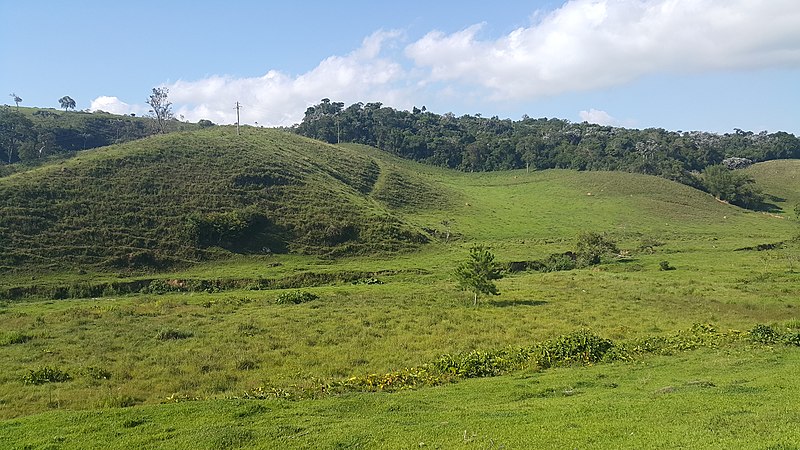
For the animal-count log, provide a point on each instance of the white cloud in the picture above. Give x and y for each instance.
(114, 105)
(599, 117)
(581, 46)
(589, 44)
(280, 99)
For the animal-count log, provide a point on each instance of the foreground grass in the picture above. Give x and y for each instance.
(734, 397)
(240, 340)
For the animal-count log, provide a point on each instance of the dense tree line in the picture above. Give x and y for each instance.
(475, 143)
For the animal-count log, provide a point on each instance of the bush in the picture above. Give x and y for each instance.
(664, 265)
(763, 334)
(560, 261)
(172, 334)
(45, 375)
(580, 346)
(295, 297)
(592, 246)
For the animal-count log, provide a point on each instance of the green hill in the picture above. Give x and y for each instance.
(347, 224)
(187, 197)
(167, 199)
(780, 180)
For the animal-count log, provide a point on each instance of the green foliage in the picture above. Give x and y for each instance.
(764, 334)
(44, 375)
(478, 273)
(591, 247)
(559, 261)
(205, 123)
(732, 186)
(582, 347)
(67, 102)
(481, 363)
(295, 297)
(474, 143)
(16, 135)
(238, 230)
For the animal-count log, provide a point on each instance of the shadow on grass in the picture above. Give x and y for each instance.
(507, 303)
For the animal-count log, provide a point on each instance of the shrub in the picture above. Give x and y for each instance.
(664, 265)
(45, 375)
(560, 261)
(295, 297)
(172, 334)
(791, 338)
(763, 334)
(592, 246)
(580, 346)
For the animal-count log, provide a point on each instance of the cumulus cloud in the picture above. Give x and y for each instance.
(589, 44)
(583, 45)
(277, 98)
(114, 105)
(599, 117)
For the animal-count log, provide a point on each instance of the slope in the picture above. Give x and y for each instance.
(167, 199)
(780, 180)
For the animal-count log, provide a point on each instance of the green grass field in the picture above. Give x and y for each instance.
(126, 374)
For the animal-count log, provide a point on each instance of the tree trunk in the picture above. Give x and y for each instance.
(475, 299)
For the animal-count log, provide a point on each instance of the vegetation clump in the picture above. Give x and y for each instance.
(295, 297)
(44, 375)
(14, 337)
(169, 334)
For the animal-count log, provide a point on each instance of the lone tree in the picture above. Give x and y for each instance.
(161, 108)
(17, 99)
(67, 102)
(478, 272)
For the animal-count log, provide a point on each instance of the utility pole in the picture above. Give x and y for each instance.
(237, 117)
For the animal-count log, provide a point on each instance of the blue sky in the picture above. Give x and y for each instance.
(709, 65)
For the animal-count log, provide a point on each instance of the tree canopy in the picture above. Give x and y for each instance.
(475, 143)
(67, 102)
(477, 274)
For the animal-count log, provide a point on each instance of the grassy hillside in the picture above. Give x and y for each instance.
(167, 199)
(128, 354)
(780, 180)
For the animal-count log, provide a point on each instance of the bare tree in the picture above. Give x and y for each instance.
(161, 107)
(17, 99)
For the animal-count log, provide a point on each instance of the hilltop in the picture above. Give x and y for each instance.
(183, 197)
(475, 143)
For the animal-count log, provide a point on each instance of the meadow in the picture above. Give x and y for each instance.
(171, 368)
